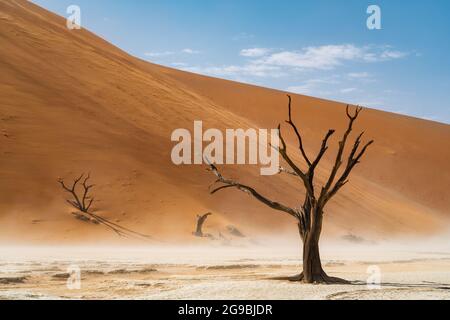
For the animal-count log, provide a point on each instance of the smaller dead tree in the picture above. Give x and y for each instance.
(201, 219)
(81, 199)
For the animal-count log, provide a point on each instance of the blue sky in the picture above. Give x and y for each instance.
(318, 48)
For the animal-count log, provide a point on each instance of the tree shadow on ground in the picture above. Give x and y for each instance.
(424, 284)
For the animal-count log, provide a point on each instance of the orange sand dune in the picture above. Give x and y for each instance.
(71, 103)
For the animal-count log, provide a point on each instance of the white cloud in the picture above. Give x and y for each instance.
(254, 52)
(388, 54)
(159, 54)
(302, 89)
(385, 55)
(268, 63)
(190, 51)
(323, 87)
(359, 75)
(233, 70)
(329, 56)
(179, 64)
(324, 57)
(371, 104)
(348, 90)
(314, 86)
(170, 53)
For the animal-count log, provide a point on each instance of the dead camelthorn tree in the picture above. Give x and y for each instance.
(81, 199)
(83, 202)
(201, 219)
(309, 216)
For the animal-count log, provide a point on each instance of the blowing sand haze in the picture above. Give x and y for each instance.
(188, 161)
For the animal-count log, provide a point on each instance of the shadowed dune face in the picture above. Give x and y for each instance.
(72, 103)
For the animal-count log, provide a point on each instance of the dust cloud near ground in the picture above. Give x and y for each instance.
(402, 270)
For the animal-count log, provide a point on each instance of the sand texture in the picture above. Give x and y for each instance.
(70, 103)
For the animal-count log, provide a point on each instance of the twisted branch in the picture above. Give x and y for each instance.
(329, 191)
(227, 183)
(79, 202)
(84, 202)
(307, 177)
(297, 133)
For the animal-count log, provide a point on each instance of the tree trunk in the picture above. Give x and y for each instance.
(312, 264)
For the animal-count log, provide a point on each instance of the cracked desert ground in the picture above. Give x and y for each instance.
(221, 273)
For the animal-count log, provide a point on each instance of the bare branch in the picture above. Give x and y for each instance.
(290, 162)
(90, 204)
(297, 133)
(79, 202)
(86, 191)
(222, 188)
(353, 160)
(342, 143)
(74, 204)
(249, 190)
(287, 171)
(323, 150)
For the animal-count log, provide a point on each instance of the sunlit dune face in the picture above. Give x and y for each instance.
(71, 103)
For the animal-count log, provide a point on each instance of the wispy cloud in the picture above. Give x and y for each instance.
(171, 53)
(348, 90)
(253, 70)
(324, 57)
(384, 53)
(320, 63)
(301, 89)
(335, 86)
(159, 54)
(179, 64)
(329, 56)
(359, 75)
(190, 51)
(254, 52)
(314, 86)
(265, 62)
(388, 54)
